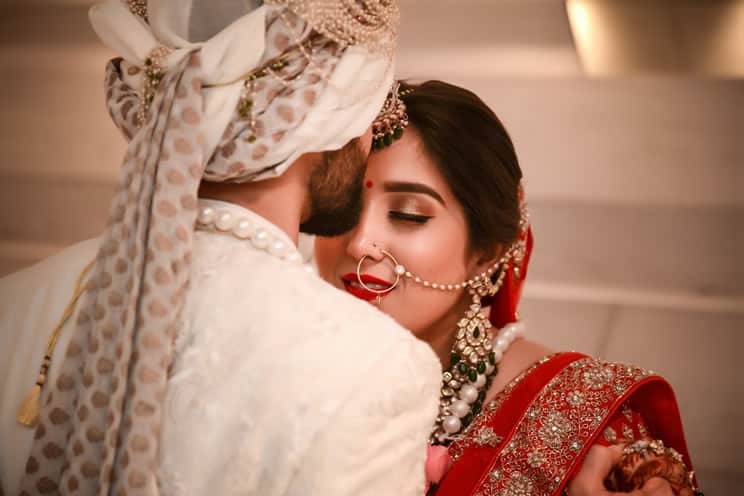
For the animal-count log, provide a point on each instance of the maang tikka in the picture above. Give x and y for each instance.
(392, 119)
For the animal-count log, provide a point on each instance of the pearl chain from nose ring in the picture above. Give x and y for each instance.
(473, 282)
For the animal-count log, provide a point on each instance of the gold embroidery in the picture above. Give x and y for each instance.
(627, 412)
(487, 437)
(554, 430)
(610, 435)
(597, 377)
(595, 416)
(466, 440)
(628, 432)
(518, 484)
(576, 398)
(535, 459)
(564, 416)
(642, 430)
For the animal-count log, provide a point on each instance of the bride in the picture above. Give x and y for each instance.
(443, 246)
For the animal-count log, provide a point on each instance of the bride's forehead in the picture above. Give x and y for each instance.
(405, 160)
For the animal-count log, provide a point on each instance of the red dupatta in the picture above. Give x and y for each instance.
(532, 438)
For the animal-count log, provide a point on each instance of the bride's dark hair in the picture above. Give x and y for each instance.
(474, 153)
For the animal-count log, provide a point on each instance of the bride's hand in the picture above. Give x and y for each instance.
(597, 464)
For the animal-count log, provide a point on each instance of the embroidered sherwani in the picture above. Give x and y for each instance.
(281, 385)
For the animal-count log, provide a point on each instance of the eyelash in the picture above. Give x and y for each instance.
(406, 217)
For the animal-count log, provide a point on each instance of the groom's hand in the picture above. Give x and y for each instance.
(597, 465)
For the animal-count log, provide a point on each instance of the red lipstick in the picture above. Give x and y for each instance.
(351, 284)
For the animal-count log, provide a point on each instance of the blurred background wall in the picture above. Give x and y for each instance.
(628, 116)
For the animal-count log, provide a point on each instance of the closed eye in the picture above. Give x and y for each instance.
(408, 217)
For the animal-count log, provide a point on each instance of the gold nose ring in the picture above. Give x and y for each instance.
(399, 271)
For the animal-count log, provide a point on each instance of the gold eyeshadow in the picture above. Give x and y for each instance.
(411, 205)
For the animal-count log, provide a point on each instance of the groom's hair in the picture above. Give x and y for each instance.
(335, 191)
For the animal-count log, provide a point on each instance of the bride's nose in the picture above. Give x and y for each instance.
(365, 240)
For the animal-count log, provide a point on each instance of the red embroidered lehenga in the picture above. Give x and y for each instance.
(531, 439)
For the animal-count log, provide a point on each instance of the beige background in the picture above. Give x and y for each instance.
(630, 129)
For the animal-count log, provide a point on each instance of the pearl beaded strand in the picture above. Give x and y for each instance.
(226, 222)
(457, 408)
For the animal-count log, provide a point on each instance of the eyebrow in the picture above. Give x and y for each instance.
(406, 187)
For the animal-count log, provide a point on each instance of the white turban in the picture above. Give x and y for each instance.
(338, 96)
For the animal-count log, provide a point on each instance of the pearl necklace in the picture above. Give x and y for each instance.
(222, 220)
(458, 408)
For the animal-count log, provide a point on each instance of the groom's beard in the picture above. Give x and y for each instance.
(336, 191)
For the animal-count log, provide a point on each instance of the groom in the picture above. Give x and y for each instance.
(189, 351)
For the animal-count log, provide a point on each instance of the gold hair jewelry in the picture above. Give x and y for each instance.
(391, 120)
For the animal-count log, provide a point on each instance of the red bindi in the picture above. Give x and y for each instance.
(369, 184)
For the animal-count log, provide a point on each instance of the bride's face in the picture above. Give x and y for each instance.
(410, 212)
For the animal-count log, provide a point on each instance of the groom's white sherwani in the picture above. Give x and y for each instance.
(281, 385)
